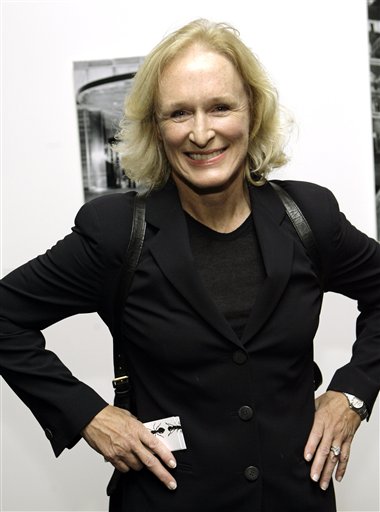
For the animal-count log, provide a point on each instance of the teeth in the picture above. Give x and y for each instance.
(202, 156)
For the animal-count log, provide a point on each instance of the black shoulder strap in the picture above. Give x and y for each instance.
(305, 233)
(301, 226)
(121, 381)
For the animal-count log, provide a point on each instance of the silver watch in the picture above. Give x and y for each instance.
(357, 405)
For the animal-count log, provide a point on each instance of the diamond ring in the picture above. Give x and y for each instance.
(335, 450)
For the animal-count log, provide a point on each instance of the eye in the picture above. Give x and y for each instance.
(221, 109)
(179, 115)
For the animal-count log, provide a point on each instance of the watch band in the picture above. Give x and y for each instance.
(357, 405)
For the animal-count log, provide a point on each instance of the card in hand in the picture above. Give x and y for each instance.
(169, 430)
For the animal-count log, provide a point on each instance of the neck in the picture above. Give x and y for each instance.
(220, 210)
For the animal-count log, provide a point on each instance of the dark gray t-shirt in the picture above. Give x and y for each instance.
(231, 268)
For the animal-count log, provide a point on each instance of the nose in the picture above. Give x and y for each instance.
(202, 131)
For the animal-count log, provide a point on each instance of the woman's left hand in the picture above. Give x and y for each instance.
(334, 426)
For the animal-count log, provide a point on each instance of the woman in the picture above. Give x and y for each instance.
(220, 319)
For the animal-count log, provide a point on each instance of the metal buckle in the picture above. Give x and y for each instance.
(119, 381)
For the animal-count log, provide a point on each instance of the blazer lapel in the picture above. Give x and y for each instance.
(171, 250)
(277, 252)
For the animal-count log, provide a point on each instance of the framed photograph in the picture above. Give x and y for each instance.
(374, 54)
(100, 88)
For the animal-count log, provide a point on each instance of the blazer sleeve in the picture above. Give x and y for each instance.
(352, 268)
(68, 279)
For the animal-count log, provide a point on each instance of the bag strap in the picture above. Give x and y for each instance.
(306, 235)
(301, 226)
(121, 382)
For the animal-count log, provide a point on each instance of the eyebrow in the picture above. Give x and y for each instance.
(182, 104)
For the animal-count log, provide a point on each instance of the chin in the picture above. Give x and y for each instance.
(212, 186)
(208, 181)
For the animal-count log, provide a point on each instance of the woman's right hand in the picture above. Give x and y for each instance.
(127, 444)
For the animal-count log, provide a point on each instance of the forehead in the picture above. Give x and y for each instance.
(198, 69)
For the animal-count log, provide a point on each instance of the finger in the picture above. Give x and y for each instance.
(343, 461)
(320, 458)
(328, 469)
(119, 465)
(157, 447)
(131, 460)
(314, 439)
(311, 445)
(148, 455)
(122, 467)
(153, 464)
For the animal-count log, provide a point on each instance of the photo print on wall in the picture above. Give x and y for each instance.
(374, 55)
(100, 90)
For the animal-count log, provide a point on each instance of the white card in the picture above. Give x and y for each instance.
(169, 431)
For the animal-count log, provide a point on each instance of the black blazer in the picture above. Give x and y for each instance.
(246, 405)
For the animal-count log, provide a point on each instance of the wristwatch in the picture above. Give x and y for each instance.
(357, 405)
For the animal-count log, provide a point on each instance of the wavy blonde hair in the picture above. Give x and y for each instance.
(142, 155)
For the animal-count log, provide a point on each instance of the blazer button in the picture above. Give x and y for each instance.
(49, 434)
(251, 473)
(239, 357)
(245, 413)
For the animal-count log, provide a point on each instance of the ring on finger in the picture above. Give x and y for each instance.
(335, 450)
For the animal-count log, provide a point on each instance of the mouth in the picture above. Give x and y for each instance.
(205, 155)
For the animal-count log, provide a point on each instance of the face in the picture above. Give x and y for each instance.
(203, 120)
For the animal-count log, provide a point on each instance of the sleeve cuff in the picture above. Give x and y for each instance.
(350, 379)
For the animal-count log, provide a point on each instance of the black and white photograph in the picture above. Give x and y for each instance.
(374, 55)
(101, 87)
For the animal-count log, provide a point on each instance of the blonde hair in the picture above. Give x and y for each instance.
(142, 155)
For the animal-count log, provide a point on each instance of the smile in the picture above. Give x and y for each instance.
(205, 156)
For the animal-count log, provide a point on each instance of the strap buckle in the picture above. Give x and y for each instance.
(120, 382)
(122, 388)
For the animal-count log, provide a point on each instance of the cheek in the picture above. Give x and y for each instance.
(239, 141)
(172, 137)
(236, 130)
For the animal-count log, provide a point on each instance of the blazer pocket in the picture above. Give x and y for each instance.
(183, 467)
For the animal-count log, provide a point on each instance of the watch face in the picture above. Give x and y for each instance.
(356, 403)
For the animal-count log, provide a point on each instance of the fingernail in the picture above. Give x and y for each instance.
(339, 478)
(315, 477)
(172, 485)
(324, 486)
(172, 463)
(308, 457)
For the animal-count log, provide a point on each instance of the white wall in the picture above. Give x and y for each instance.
(317, 54)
